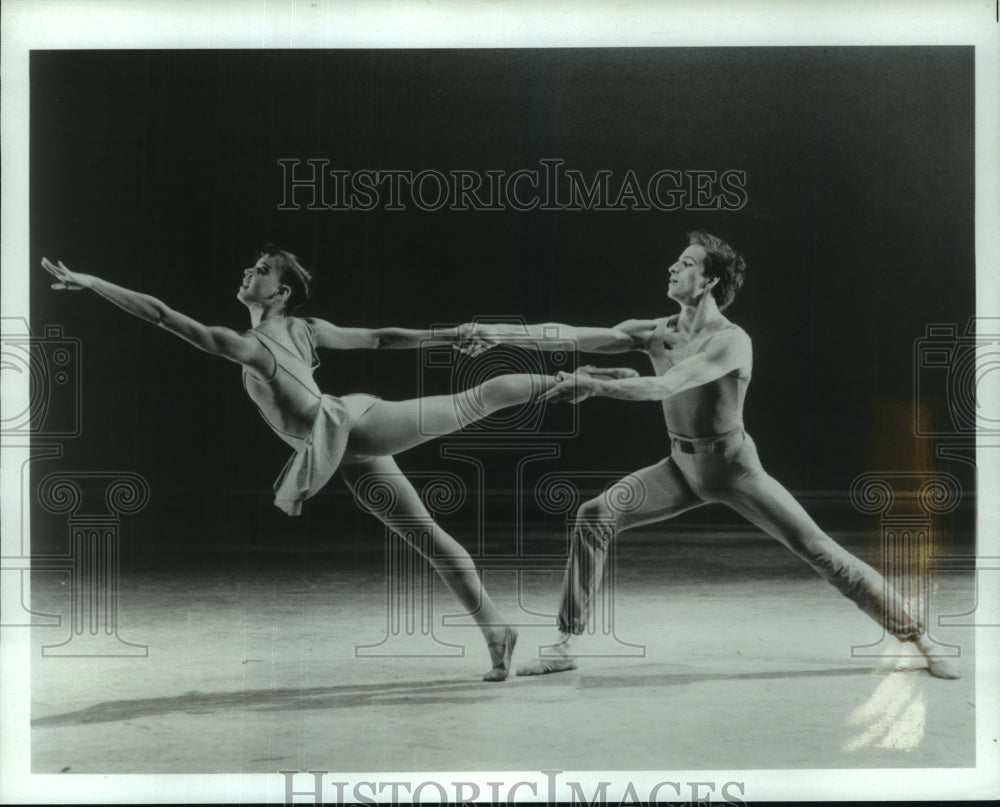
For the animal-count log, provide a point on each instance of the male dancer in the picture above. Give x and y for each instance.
(359, 433)
(703, 364)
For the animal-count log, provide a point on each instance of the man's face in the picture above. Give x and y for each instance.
(260, 281)
(687, 282)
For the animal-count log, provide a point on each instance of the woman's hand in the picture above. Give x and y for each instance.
(67, 280)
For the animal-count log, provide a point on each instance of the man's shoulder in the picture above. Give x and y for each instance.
(732, 328)
(728, 339)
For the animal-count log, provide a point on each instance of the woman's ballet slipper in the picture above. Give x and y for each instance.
(500, 654)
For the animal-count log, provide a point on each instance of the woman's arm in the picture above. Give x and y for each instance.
(632, 334)
(334, 337)
(212, 339)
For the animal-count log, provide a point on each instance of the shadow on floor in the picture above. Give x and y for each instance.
(413, 693)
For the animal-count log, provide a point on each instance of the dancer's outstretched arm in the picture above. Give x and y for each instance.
(335, 337)
(729, 351)
(213, 339)
(632, 334)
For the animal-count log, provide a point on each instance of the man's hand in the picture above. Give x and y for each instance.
(67, 280)
(585, 382)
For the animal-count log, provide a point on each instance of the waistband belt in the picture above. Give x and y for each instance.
(707, 445)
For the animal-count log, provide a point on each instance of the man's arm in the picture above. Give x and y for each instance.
(632, 334)
(728, 351)
(216, 340)
(334, 337)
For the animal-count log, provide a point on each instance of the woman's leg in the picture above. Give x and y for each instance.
(390, 427)
(448, 557)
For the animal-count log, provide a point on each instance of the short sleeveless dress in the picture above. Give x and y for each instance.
(317, 426)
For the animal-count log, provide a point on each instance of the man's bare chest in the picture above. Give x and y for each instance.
(669, 346)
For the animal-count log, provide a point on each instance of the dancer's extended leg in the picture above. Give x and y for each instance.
(390, 427)
(763, 501)
(448, 557)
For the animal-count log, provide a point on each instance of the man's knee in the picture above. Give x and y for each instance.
(596, 517)
(595, 509)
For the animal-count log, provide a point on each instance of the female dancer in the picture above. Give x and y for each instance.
(357, 433)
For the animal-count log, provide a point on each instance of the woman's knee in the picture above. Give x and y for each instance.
(508, 390)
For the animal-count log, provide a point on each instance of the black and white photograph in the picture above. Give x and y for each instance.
(406, 403)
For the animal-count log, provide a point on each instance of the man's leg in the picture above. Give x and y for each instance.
(390, 427)
(661, 492)
(763, 501)
(450, 560)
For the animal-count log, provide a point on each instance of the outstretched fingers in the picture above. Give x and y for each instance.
(63, 275)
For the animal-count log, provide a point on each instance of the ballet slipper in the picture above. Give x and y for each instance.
(500, 655)
(555, 658)
(939, 666)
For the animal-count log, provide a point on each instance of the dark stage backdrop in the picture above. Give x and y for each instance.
(158, 171)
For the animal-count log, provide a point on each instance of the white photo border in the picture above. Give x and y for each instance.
(255, 24)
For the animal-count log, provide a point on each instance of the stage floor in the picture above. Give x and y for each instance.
(726, 653)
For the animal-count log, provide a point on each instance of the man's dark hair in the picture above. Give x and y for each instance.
(723, 262)
(291, 273)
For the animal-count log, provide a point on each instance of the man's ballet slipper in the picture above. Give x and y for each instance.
(554, 658)
(939, 666)
(541, 666)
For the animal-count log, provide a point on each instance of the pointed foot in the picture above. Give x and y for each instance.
(500, 655)
(946, 667)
